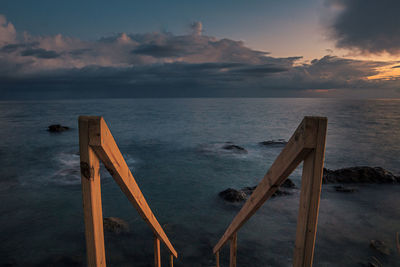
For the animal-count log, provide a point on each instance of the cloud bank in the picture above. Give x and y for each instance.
(165, 65)
(369, 26)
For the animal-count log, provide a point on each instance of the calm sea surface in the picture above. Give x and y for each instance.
(173, 147)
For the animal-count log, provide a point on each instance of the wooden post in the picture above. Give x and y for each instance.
(171, 260)
(217, 258)
(309, 199)
(157, 255)
(232, 261)
(91, 193)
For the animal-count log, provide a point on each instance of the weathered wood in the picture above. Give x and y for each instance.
(233, 251)
(107, 150)
(91, 194)
(217, 259)
(157, 254)
(171, 260)
(309, 199)
(299, 145)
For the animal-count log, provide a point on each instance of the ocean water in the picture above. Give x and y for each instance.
(173, 147)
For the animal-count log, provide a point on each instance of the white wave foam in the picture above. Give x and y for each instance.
(69, 168)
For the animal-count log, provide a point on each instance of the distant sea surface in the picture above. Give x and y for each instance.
(173, 147)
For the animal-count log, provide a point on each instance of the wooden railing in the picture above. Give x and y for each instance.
(96, 143)
(307, 144)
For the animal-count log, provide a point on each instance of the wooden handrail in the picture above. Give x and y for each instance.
(97, 143)
(308, 144)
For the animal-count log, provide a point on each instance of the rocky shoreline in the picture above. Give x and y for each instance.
(351, 175)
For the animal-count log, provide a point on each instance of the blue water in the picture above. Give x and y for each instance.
(173, 147)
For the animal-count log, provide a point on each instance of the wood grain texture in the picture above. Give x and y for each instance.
(233, 251)
(105, 147)
(298, 146)
(157, 254)
(91, 194)
(309, 198)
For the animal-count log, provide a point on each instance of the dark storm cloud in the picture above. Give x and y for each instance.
(259, 70)
(10, 48)
(40, 53)
(158, 51)
(370, 26)
(199, 80)
(167, 65)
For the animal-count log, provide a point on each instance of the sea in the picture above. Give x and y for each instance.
(174, 150)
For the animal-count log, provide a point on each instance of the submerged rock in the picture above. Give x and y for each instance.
(273, 142)
(234, 148)
(115, 225)
(57, 128)
(288, 184)
(362, 174)
(380, 246)
(233, 195)
(342, 189)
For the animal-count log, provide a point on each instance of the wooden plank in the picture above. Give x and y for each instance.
(217, 259)
(309, 199)
(233, 251)
(171, 260)
(107, 150)
(91, 194)
(298, 146)
(157, 254)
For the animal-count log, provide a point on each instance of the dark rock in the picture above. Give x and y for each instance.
(361, 174)
(288, 184)
(380, 246)
(233, 195)
(115, 225)
(249, 190)
(342, 189)
(57, 128)
(273, 142)
(279, 192)
(234, 148)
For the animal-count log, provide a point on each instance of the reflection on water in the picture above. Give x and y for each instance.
(173, 147)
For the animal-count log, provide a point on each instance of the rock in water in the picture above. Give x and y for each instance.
(342, 189)
(115, 225)
(234, 148)
(57, 128)
(273, 142)
(233, 195)
(288, 184)
(361, 174)
(380, 246)
(279, 192)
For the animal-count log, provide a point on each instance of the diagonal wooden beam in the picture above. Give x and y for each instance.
(106, 149)
(301, 143)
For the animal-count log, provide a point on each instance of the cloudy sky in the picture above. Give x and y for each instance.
(255, 48)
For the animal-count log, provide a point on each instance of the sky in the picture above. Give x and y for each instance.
(255, 48)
